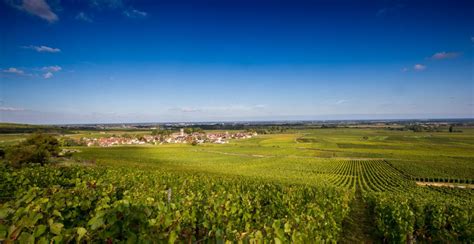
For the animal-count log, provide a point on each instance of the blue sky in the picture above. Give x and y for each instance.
(100, 61)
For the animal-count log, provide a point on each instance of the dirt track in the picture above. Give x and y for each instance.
(440, 184)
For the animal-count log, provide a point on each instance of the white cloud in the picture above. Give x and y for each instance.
(341, 101)
(44, 49)
(14, 71)
(405, 69)
(445, 55)
(54, 68)
(133, 13)
(11, 109)
(84, 17)
(48, 75)
(38, 8)
(419, 67)
(50, 70)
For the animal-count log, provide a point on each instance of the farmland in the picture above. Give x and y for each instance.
(337, 184)
(423, 155)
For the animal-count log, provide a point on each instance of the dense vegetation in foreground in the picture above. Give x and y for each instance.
(295, 187)
(99, 204)
(102, 204)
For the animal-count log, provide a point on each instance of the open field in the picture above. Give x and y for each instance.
(421, 155)
(343, 184)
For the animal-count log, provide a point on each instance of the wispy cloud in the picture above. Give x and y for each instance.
(50, 70)
(388, 10)
(405, 69)
(83, 17)
(15, 71)
(46, 72)
(445, 55)
(133, 13)
(419, 67)
(54, 68)
(237, 107)
(48, 75)
(186, 110)
(11, 109)
(219, 109)
(341, 101)
(43, 49)
(112, 4)
(120, 5)
(472, 38)
(39, 8)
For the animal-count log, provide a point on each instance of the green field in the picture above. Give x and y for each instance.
(423, 155)
(343, 184)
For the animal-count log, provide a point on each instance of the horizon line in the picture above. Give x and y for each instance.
(248, 121)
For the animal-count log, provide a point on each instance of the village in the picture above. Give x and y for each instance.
(193, 138)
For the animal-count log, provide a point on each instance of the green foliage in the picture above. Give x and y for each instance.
(37, 148)
(12, 128)
(422, 128)
(101, 204)
(190, 130)
(422, 215)
(44, 141)
(274, 129)
(70, 142)
(162, 133)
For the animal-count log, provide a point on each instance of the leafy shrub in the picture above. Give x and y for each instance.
(38, 148)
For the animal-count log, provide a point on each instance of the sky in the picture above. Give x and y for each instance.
(118, 61)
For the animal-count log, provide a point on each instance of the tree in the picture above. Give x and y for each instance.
(20, 155)
(38, 148)
(69, 142)
(451, 129)
(163, 134)
(43, 141)
(198, 130)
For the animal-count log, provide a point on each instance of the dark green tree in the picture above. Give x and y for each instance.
(38, 148)
(43, 141)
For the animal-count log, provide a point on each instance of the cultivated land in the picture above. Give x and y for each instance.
(339, 184)
(424, 155)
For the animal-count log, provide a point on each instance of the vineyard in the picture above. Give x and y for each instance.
(275, 188)
(69, 204)
(369, 175)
